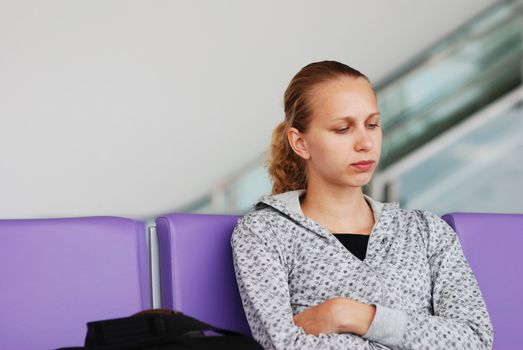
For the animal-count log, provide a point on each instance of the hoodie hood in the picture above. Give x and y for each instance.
(288, 203)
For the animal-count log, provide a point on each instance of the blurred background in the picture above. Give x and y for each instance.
(139, 108)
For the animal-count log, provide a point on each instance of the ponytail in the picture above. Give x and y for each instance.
(286, 168)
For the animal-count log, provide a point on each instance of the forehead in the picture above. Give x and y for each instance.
(343, 97)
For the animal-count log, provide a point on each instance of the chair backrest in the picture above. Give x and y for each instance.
(196, 269)
(58, 274)
(492, 244)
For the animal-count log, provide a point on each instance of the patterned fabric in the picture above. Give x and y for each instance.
(425, 293)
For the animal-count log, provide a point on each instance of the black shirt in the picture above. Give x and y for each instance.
(356, 244)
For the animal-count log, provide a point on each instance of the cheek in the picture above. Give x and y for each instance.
(379, 136)
(331, 153)
(378, 142)
(318, 146)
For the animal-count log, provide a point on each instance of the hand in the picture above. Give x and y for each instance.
(336, 315)
(321, 318)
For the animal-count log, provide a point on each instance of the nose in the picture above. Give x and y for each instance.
(363, 141)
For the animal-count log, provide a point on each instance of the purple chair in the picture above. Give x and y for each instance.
(58, 274)
(492, 244)
(196, 269)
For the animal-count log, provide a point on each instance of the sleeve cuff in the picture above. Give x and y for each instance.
(388, 326)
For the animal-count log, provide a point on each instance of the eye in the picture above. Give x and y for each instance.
(373, 126)
(342, 130)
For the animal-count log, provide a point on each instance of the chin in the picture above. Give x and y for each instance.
(356, 183)
(352, 183)
(351, 180)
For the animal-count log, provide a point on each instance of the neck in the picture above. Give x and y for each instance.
(339, 210)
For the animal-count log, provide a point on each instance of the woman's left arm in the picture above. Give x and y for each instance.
(460, 319)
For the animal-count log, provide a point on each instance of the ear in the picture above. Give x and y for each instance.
(298, 143)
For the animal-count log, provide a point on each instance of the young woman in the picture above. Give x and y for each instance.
(320, 265)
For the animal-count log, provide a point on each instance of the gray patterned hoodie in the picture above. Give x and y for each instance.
(425, 293)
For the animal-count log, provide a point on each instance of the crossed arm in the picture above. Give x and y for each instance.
(336, 315)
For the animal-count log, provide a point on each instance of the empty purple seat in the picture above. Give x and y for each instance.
(196, 268)
(58, 274)
(492, 244)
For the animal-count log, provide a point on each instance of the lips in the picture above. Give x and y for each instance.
(364, 162)
(364, 165)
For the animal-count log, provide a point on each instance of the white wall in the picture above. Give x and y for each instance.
(134, 108)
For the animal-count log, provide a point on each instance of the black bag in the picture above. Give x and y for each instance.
(161, 329)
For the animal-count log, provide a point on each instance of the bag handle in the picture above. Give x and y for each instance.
(148, 325)
(199, 325)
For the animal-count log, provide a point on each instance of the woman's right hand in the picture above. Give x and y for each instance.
(336, 315)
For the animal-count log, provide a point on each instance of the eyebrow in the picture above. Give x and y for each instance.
(352, 118)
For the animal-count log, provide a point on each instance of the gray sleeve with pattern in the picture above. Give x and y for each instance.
(263, 286)
(460, 320)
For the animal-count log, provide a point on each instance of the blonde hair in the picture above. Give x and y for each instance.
(286, 169)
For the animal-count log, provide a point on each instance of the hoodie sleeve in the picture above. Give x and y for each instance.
(460, 320)
(263, 285)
